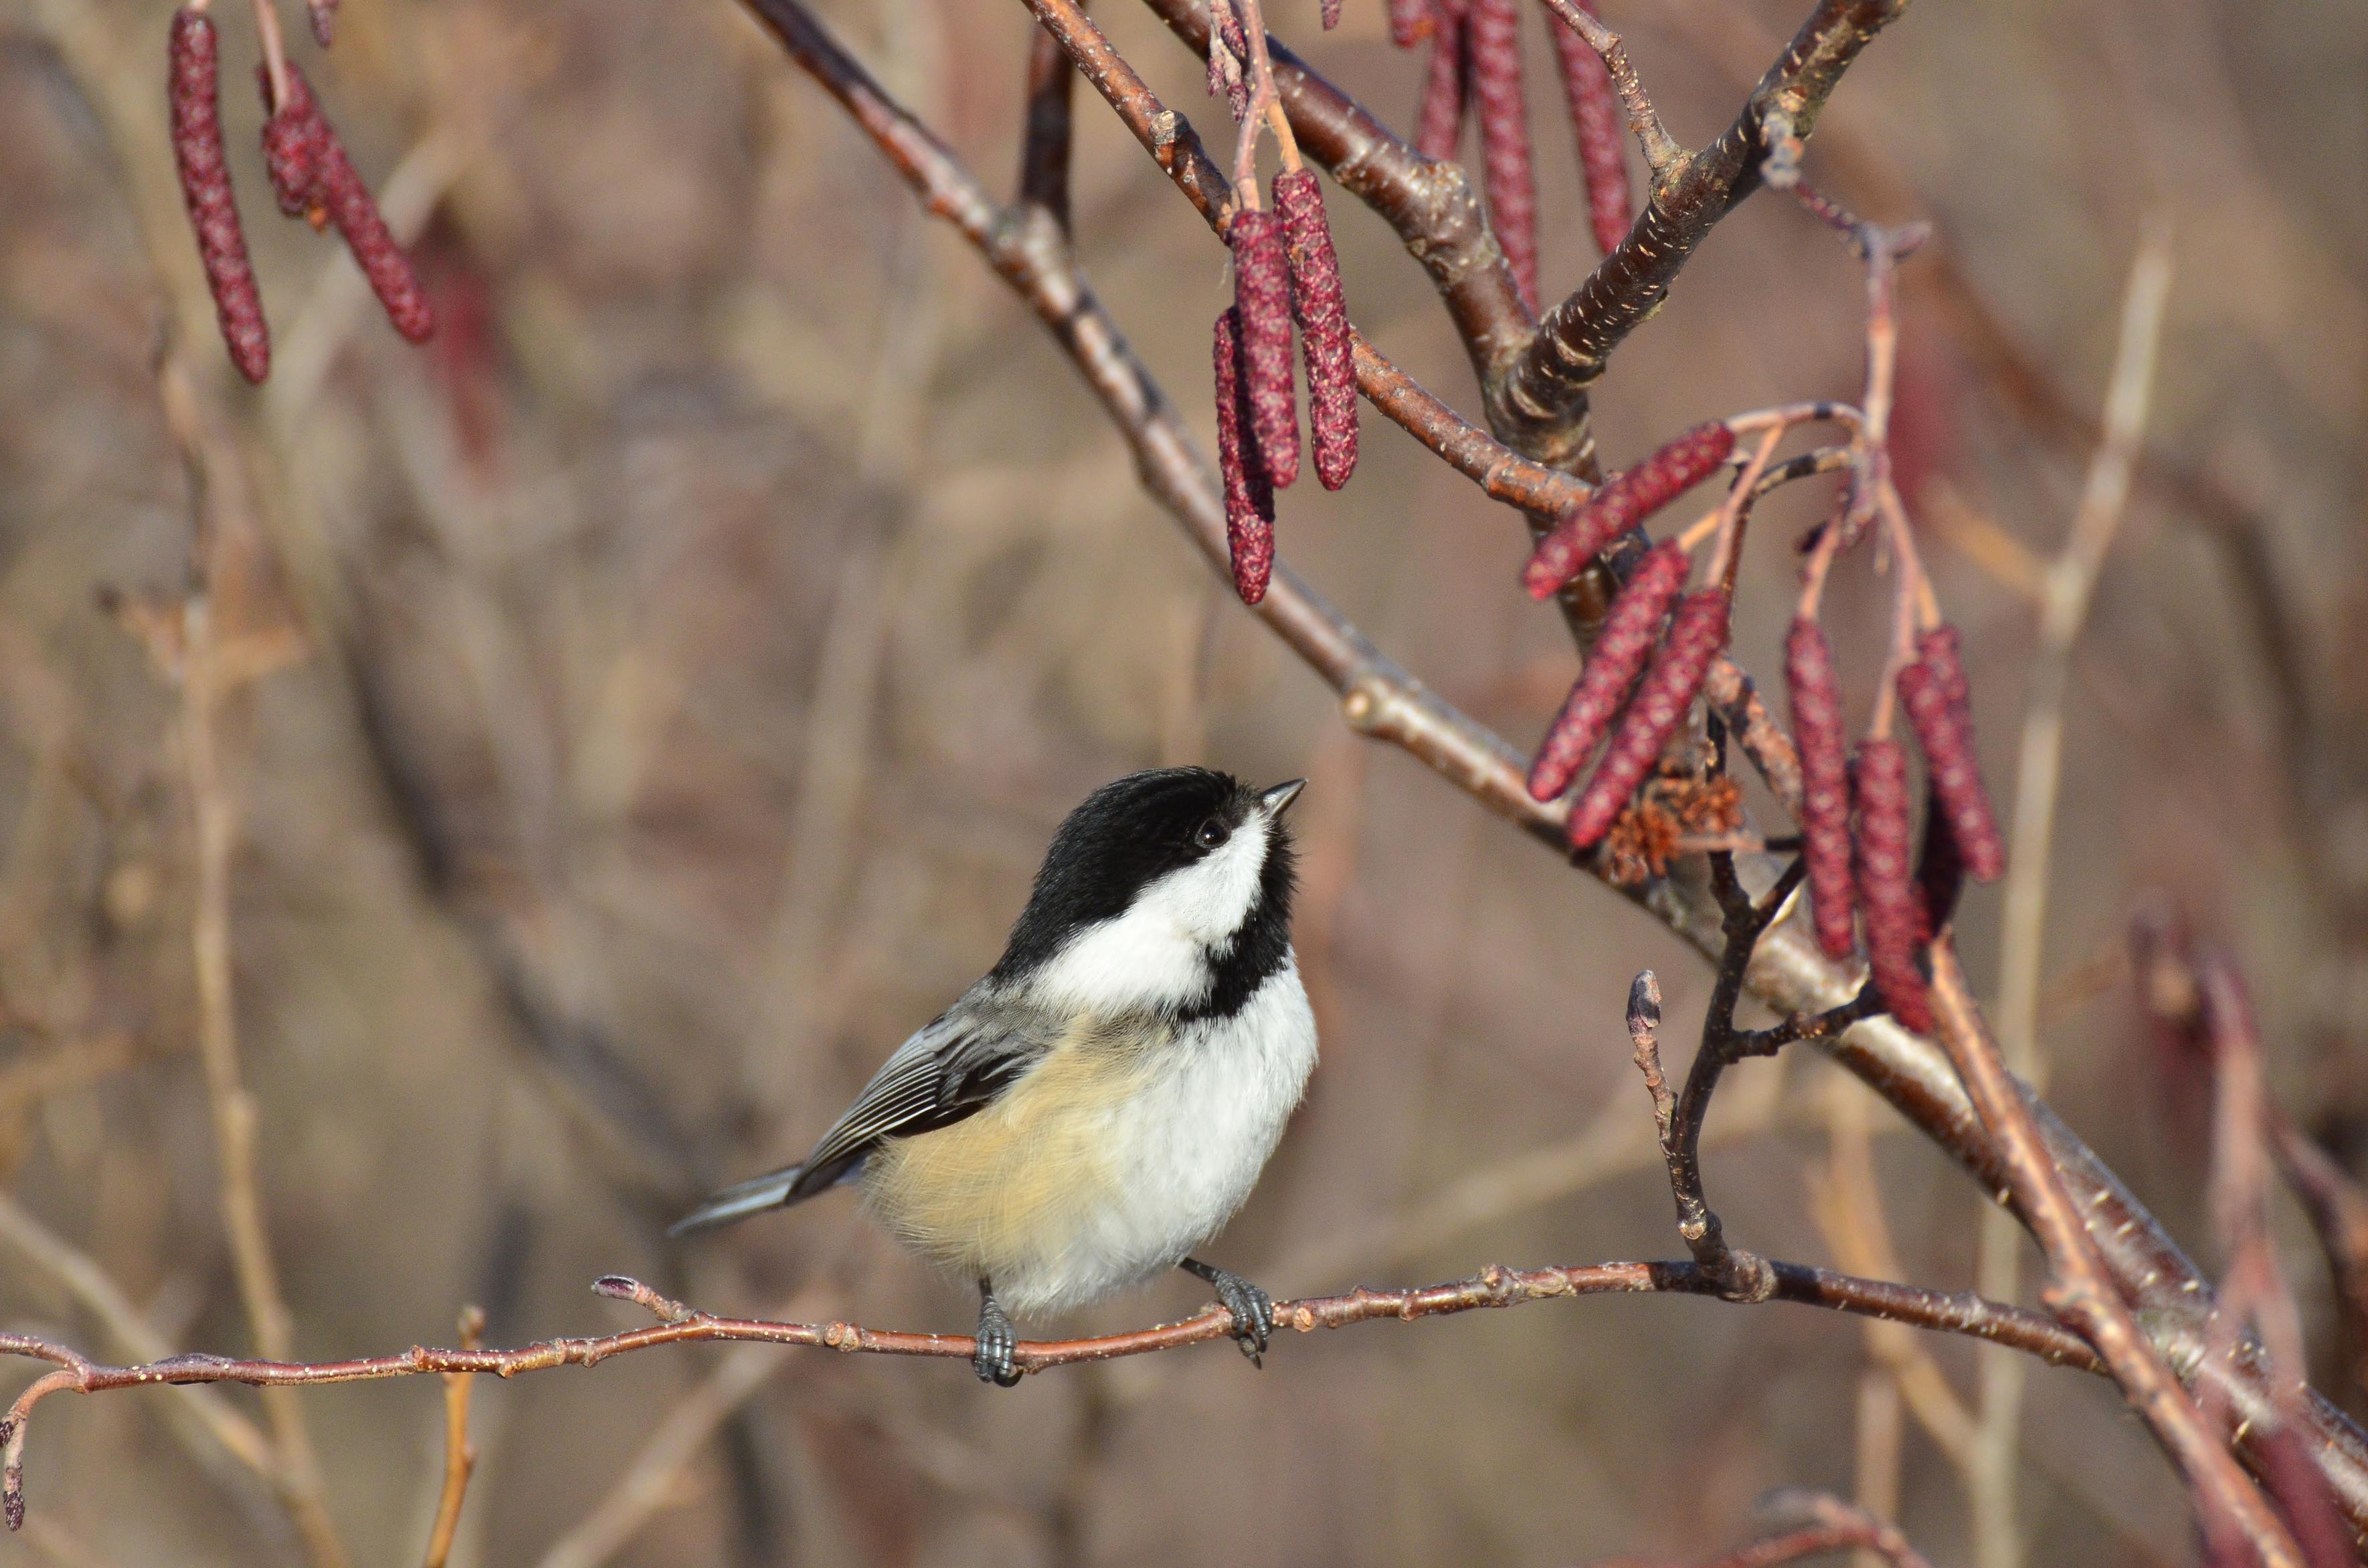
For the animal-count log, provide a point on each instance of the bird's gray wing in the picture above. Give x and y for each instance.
(953, 1068)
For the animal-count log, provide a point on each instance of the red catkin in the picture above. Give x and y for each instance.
(1411, 21)
(1818, 732)
(1886, 885)
(338, 188)
(1323, 312)
(1250, 496)
(323, 14)
(193, 81)
(1439, 123)
(293, 133)
(1601, 128)
(1625, 500)
(1697, 631)
(1262, 294)
(1331, 12)
(1933, 691)
(1493, 44)
(1621, 650)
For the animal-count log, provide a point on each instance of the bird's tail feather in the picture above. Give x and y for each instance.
(741, 1199)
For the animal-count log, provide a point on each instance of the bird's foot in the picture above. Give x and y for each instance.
(995, 1359)
(1252, 1309)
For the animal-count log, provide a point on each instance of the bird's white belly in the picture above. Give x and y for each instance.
(1114, 1186)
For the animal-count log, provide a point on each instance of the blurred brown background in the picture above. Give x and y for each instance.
(653, 696)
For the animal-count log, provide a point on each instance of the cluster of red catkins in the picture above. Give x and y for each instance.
(1475, 67)
(1283, 267)
(311, 175)
(1857, 817)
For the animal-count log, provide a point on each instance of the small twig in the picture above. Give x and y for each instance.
(1493, 1287)
(1662, 153)
(460, 1454)
(2082, 1294)
(1832, 1526)
(275, 50)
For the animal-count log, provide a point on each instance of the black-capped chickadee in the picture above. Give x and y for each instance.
(1103, 1100)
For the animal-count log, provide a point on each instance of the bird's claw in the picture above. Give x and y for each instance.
(1252, 1311)
(996, 1357)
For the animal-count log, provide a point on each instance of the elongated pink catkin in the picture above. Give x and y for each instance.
(1697, 631)
(1621, 650)
(337, 187)
(1944, 729)
(1411, 21)
(1601, 128)
(1323, 313)
(1249, 496)
(1262, 294)
(292, 134)
(1491, 41)
(1886, 883)
(1331, 14)
(1818, 732)
(1622, 502)
(324, 21)
(1439, 122)
(193, 84)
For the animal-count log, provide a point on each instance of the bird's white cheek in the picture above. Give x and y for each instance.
(1209, 899)
(1157, 952)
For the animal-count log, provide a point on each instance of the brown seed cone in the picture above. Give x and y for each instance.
(1411, 21)
(1622, 502)
(1939, 870)
(1621, 650)
(1262, 294)
(1439, 122)
(1323, 313)
(1249, 496)
(1697, 631)
(1818, 732)
(1492, 40)
(193, 81)
(1601, 128)
(1886, 883)
(1944, 729)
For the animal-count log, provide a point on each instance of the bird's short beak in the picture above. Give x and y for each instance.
(1276, 800)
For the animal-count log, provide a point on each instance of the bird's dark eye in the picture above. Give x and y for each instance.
(1210, 834)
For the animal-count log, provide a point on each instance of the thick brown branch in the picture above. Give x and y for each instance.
(1541, 405)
